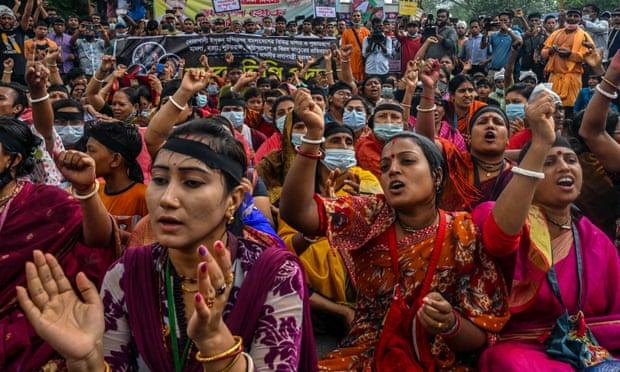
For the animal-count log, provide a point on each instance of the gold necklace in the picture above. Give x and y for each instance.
(4, 200)
(564, 226)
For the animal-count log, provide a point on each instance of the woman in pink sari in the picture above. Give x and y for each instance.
(557, 261)
(80, 234)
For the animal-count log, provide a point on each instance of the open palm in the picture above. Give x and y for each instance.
(73, 327)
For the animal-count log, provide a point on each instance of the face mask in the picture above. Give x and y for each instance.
(201, 100)
(342, 159)
(280, 123)
(236, 117)
(386, 131)
(121, 34)
(69, 134)
(354, 119)
(515, 110)
(586, 17)
(296, 139)
(499, 91)
(267, 119)
(212, 89)
(415, 34)
(387, 91)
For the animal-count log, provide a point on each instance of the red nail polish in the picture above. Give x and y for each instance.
(198, 297)
(203, 267)
(218, 246)
(202, 251)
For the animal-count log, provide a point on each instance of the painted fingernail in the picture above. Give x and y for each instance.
(198, 297)
(203, 267)
(219, 246)
(202, 251)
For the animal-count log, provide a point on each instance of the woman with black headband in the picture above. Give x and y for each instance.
(198, 299)
(476, 176)
(115, 148)
(426, 292)
(564, 272)
(75, 228)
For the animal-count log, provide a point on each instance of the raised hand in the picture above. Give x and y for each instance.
(539, 116)
(52, 56)
(613, 71)
(328, 54)
(215, 281)
(204, 61)
(77, 168)
(410, 78)
(36, 77)
(155, 83)
(310, 113)
(120, 71)
(8, 64)
(436, 314)
(345, 51)
(195, 80)
(72, 327)
(107, 63)
(429, 73)
(432, 40)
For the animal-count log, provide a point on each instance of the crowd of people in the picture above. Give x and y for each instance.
(461, 214)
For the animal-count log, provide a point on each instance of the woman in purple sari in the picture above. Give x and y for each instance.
(199, 298)
(539, 240)
(80, 234)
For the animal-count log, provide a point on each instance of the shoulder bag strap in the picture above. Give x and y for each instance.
(553, 279)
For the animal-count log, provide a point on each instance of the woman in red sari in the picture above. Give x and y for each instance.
(453, 293)
(80, 234)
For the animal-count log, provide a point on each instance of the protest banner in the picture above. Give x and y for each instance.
(279, 53)
(325, 8)
(249, 8)
(408, 7)
(223, 6)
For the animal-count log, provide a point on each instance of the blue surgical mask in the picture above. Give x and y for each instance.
(235, 117)
(267, 119)
(515, 110)
(69, 134)
(201, 100)
(212, 89)
(499, 91)
(387, 92)
(280, 123)
(296, 139)
(353, 119)
(386, 131)
(342, 159)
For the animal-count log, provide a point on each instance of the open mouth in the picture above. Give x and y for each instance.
(490, 135)
(396, 185)
(566, 181)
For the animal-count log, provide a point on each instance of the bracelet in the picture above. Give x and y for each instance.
(309, 155)
(176, 104)
(610, 83)
(608, 95)
(87, 196)
(528, 173)
(235, 350)
(344, 60)
(106, 367)
(430, 98)
(40, 99)
(338, 69)
(232, 363)
(328, 71)
(430, 109)
(311, 141)
(454, 330)
(249, 361)
(97, 80)
(309, 239)
(7, 72)
(406, 105)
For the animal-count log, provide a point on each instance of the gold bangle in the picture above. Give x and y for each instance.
(610, 83)
(338, 69)
(106, 367)
(236, 348)
(406, 105)
(232, 363)
(7, 72)
(328, 71)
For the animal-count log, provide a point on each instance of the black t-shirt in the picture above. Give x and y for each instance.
(12, 46)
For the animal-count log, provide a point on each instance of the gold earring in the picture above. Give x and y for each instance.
(231, 219)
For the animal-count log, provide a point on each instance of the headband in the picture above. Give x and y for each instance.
(135, 171)
(389, 106)
(485, 109)
(205, 154)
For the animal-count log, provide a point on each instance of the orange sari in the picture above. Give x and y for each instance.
(465, 276)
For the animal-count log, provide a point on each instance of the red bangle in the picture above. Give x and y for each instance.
(456, 328)
(429, 98)
(309, 155)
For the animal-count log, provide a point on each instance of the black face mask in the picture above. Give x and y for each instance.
(5, 176)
